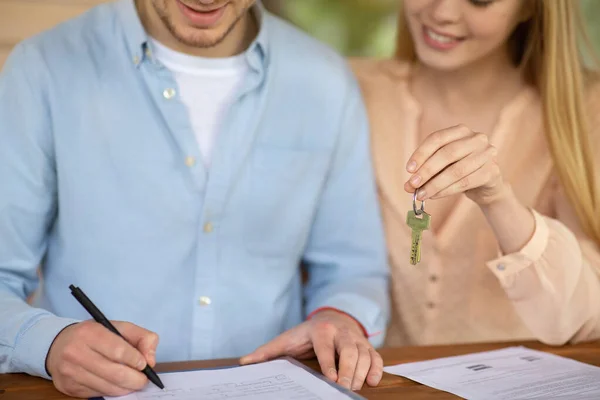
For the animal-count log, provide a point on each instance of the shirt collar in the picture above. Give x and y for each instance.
(137, 39)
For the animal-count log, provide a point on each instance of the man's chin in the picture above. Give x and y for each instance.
(203, 39)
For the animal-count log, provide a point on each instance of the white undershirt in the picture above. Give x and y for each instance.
(207, 88)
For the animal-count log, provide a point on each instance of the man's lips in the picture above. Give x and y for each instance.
(201, 18)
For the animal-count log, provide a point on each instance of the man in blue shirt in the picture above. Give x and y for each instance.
(178, 160)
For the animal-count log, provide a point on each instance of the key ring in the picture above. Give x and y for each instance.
(422, 210)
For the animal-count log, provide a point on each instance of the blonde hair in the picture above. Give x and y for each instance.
(546, 48)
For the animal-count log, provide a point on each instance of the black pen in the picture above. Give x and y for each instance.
(101, 319)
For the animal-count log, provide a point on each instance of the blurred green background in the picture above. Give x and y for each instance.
(367, 27)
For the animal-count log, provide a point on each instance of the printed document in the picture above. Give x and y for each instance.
(274, 380)
(511, 373)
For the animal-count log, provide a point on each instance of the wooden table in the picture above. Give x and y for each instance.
(23, 387)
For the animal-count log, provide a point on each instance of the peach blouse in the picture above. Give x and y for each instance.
(464, 289)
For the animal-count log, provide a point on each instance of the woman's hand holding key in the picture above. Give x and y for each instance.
(455, 160)
(458, 160)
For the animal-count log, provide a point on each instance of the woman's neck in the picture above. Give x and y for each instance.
(487, 84)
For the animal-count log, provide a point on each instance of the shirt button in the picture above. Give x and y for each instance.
(204, 301)
(136, 60)
(501, 267)
(169, 93)
(190, 161)
(208, 227)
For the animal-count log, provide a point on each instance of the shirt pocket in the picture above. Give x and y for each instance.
(282, 195)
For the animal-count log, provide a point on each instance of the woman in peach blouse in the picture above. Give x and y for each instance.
(488, 113)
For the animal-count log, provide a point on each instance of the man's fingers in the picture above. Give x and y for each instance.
(376, 370)
(74, 389)
(362, 367)
(143, 340)
(433, 142)
(275, 348)
(325, 352)
(88, 360)
(77, 380)
(109, 371)
(115, 348)
(307, 355)
(348, 351)
(118, 374)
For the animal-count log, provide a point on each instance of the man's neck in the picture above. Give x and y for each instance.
(236, 41)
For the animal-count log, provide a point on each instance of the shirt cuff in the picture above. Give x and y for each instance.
(34, 343)
(505, 267)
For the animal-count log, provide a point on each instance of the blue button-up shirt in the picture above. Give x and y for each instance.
(102, 183)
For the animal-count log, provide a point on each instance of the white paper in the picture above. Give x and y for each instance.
(512, 373)
(274, 380)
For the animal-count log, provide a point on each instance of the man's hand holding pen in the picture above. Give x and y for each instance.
(87, 360)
